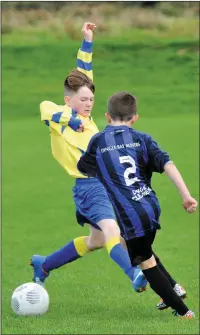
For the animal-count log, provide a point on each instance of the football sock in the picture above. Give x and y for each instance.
(120, 256)
(161, 285)
(162, 268)
(69, 253)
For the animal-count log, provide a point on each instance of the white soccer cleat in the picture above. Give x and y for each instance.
(188, 315)
(180, 291)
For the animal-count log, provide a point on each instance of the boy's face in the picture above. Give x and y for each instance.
(82, 102)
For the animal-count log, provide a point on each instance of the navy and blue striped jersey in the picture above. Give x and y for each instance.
(124, 160)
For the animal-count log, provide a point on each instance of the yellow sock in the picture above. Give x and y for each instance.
(81, 246)
(111, 243)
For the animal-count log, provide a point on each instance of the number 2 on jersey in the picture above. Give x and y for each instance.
(130, 170)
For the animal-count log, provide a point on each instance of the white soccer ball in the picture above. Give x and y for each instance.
(30, 299)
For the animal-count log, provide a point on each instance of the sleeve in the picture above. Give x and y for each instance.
(87, 164)
(52, 113)
(84, 59)
(157, 158)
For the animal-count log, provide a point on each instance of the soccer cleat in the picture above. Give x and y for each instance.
(39, 274)
(188, 315)
(161, 305)
(139, 281)
(179, 291)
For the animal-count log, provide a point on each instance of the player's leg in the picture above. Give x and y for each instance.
(161, 285)
(73, 250)
(162, 268)
(119, 254)
(94, 207)
(142, 247)
(88, 194)
(95, 240)
(180, 291)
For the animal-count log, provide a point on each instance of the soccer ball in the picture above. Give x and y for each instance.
(30, 299)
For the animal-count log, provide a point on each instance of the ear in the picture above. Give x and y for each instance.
(107, 115)
(134, 118)
(67, 100)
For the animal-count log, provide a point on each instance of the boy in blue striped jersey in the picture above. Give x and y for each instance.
(124, 159)
(71, 128)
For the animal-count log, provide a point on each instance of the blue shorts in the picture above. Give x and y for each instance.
(92, 202)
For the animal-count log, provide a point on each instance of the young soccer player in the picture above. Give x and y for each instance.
(71, 128)
(124, 159)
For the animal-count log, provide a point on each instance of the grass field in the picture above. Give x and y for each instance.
(92, 296)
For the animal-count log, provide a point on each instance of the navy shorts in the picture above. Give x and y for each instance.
(140, 248)
(92, 202)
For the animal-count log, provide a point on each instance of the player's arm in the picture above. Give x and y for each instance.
(159, 161)
(172, 172)
(156, 157)
(87, 164)
(52, 113)
(84, 57)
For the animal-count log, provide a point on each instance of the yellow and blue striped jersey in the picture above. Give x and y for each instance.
(67, 144)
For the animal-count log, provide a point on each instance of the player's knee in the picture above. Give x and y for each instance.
(94, 243)
(123, 242)
(113, 230)
(109, 228)
(149, 263)
(156, 257)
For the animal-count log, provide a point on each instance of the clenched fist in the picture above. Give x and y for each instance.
(190, 204)
(87, 31)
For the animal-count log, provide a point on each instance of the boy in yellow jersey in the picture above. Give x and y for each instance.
(71, 128)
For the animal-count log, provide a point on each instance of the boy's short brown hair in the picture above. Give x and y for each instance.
(76, 80)
(122, 106)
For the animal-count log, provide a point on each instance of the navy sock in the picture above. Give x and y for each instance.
(162, 268)
(161, 285)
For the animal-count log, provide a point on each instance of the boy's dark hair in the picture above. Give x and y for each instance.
(122, 106)
(76, 80)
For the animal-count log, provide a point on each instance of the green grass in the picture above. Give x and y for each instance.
(92, 296)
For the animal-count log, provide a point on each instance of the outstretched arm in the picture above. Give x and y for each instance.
(84, 57)
(189, 203)
(63, 115)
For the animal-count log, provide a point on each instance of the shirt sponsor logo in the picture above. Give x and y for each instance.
(120, 146)
(117, 132)
(141, 192)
